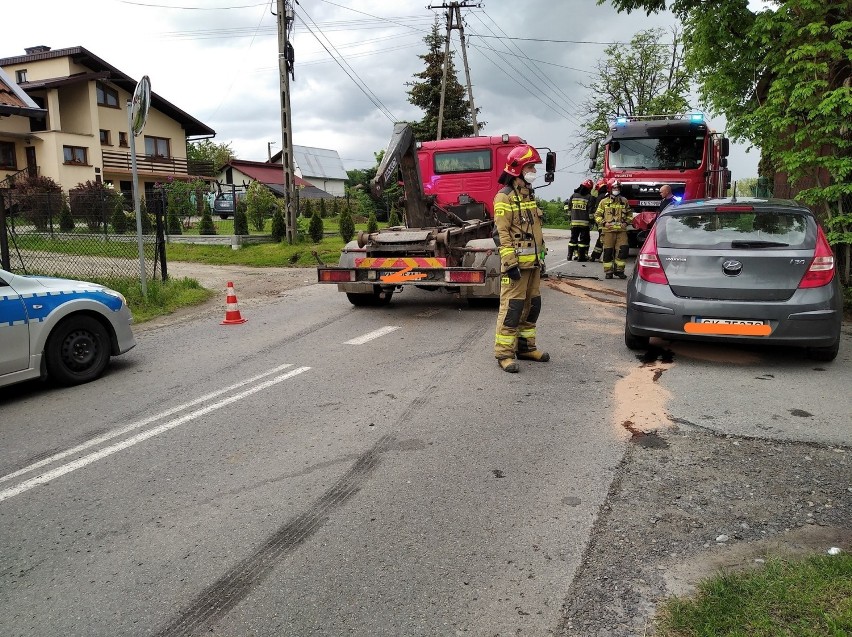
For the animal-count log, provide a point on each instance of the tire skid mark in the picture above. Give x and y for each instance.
(218, 599)
(223, 595)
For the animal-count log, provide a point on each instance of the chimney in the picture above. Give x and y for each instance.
(37, 49)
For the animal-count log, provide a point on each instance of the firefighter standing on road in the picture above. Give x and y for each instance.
(598, 195)
(578, 208)
(613, 215)
(518, 233)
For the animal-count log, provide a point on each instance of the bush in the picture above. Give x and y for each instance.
(119, 219)
(40, 200)
(206, 226)
(308, 209)
(260, 205)
(147, 220)
(66, 221)
(240, 218)
(347, 226)
(372, 223)
(322, 209)
(394, 219)
(94, 202)
(279, 224)
(316, 228)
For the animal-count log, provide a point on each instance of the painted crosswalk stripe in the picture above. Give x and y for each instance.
(366, 338)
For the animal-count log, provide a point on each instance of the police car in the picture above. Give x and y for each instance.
(59, 328)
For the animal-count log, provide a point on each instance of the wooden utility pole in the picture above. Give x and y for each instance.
(454, 15)
(285, 73)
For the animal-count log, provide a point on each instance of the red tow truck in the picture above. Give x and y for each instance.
(646, 152)
(446, 243)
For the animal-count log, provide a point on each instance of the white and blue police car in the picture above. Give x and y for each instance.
(60, 328)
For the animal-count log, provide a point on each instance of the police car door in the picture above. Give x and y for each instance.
(14, 330)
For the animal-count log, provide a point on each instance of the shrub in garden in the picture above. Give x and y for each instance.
(260, 205)
(40, 200)
(322, 209)
(206, 226)
(347, 226)
(279, 224)
(95, 203)
(66, 221)
(372, 223)
(316, 228)
(240, 218)
(393, 220)
(119, 219)
(308, 210)
(146, 217)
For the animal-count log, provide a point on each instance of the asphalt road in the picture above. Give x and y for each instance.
(328, 470)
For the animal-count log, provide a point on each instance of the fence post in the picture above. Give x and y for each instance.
(160, 245)
(4, 237)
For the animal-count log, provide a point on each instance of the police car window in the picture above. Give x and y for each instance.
(466, 161)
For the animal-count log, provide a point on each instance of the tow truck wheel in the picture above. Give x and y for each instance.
(377, 298)
(77, 350)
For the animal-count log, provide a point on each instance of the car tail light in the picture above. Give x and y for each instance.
(821, 271)
(464, 276)
(649, 266)
(336, 276)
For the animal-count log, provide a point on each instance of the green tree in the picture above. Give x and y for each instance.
(240, 217)
(322, 210)
(119, 219)
(308, 210)
(372, 224)
(645, 78)
(393, 219)
(66, 221)
(206, 226)
(316, 227)
(347, 226)
(260, 205)
(206, 151)
(425, 93)
(279, 224)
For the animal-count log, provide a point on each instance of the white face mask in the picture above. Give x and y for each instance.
(616, 192)
(530, 176)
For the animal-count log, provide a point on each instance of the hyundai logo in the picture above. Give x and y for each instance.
(732, 267)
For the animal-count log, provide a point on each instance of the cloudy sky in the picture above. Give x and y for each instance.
(217, 60)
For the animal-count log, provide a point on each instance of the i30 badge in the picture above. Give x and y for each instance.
(732, 267)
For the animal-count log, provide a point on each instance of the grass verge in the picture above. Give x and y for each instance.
(163, 297)
(806, 598)
(260, 255)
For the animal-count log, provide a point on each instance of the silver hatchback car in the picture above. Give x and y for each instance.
(737, 271)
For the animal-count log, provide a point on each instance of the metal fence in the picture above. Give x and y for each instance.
(78, 235)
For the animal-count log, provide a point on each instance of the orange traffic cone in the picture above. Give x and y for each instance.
(232, 314)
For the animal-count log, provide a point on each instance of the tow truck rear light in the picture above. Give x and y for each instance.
(336, 276)
(821, 271)
(464, 276)
(733, 208)
(650, 269)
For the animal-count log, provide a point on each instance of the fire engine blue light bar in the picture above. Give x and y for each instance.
(696, 117)
(621, 120)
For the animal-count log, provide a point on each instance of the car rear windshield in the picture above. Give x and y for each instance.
(711, 229)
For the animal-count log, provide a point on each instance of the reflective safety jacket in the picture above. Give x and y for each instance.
(613, 214)
(578, 208)
(518, 227)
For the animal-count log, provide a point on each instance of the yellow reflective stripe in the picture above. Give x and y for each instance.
(506, 250)
(528, 333)
(527, 258)
(502, 339)
(505, 280)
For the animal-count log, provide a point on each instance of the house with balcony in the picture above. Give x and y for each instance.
(17, 110)
(83, 131)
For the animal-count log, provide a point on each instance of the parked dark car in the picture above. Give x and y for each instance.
(224, 204)
(737, 271)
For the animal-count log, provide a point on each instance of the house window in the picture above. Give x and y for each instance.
(75, 155)
(7, 156)
(105, 138)
(122, 139)
(157, 147)
(21, 76)
(107, 96)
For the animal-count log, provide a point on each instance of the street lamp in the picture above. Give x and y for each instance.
(269, 146)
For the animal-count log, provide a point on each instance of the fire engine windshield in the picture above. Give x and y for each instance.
(466, 161)
(657, 153)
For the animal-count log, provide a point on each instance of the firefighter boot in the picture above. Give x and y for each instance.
(608, 275)
(620, 274)
(534, 355)
(508, 365)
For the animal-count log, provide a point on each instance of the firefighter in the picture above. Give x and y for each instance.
(613, 215)
(518, 234)
(578, 208)
(598, 193)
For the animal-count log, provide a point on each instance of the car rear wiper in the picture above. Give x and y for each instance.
(758, 244)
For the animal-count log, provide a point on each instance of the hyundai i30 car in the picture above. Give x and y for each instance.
(737, 271)
(59, 328)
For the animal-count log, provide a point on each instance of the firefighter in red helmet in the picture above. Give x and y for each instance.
(598, 193)
(578, 208)
(518, 234)
(613, 215)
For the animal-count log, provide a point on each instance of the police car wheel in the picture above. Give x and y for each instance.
(77, 350)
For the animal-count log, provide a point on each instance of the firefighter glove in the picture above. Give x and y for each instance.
(514, 273)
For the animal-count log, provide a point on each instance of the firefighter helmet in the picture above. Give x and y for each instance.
(519, 157)
(588, 183)
(600, 183)
(613, 183)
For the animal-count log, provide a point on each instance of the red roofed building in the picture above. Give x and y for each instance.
(241, 173)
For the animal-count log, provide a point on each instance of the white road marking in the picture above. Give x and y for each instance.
(553, 267)
(136, 425)
(369, 337)
(140, 437)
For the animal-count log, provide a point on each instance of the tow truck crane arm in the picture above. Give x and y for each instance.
(401, 154)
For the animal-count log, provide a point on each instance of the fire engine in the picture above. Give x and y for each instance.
(646, 152)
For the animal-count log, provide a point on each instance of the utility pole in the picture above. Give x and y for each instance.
(454, 15)
(285, 16)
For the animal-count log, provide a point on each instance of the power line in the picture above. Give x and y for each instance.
(168, 6)
(563, 41)
(363, 85)
(367, 14)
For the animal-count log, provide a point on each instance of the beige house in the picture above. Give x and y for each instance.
(85, 133)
